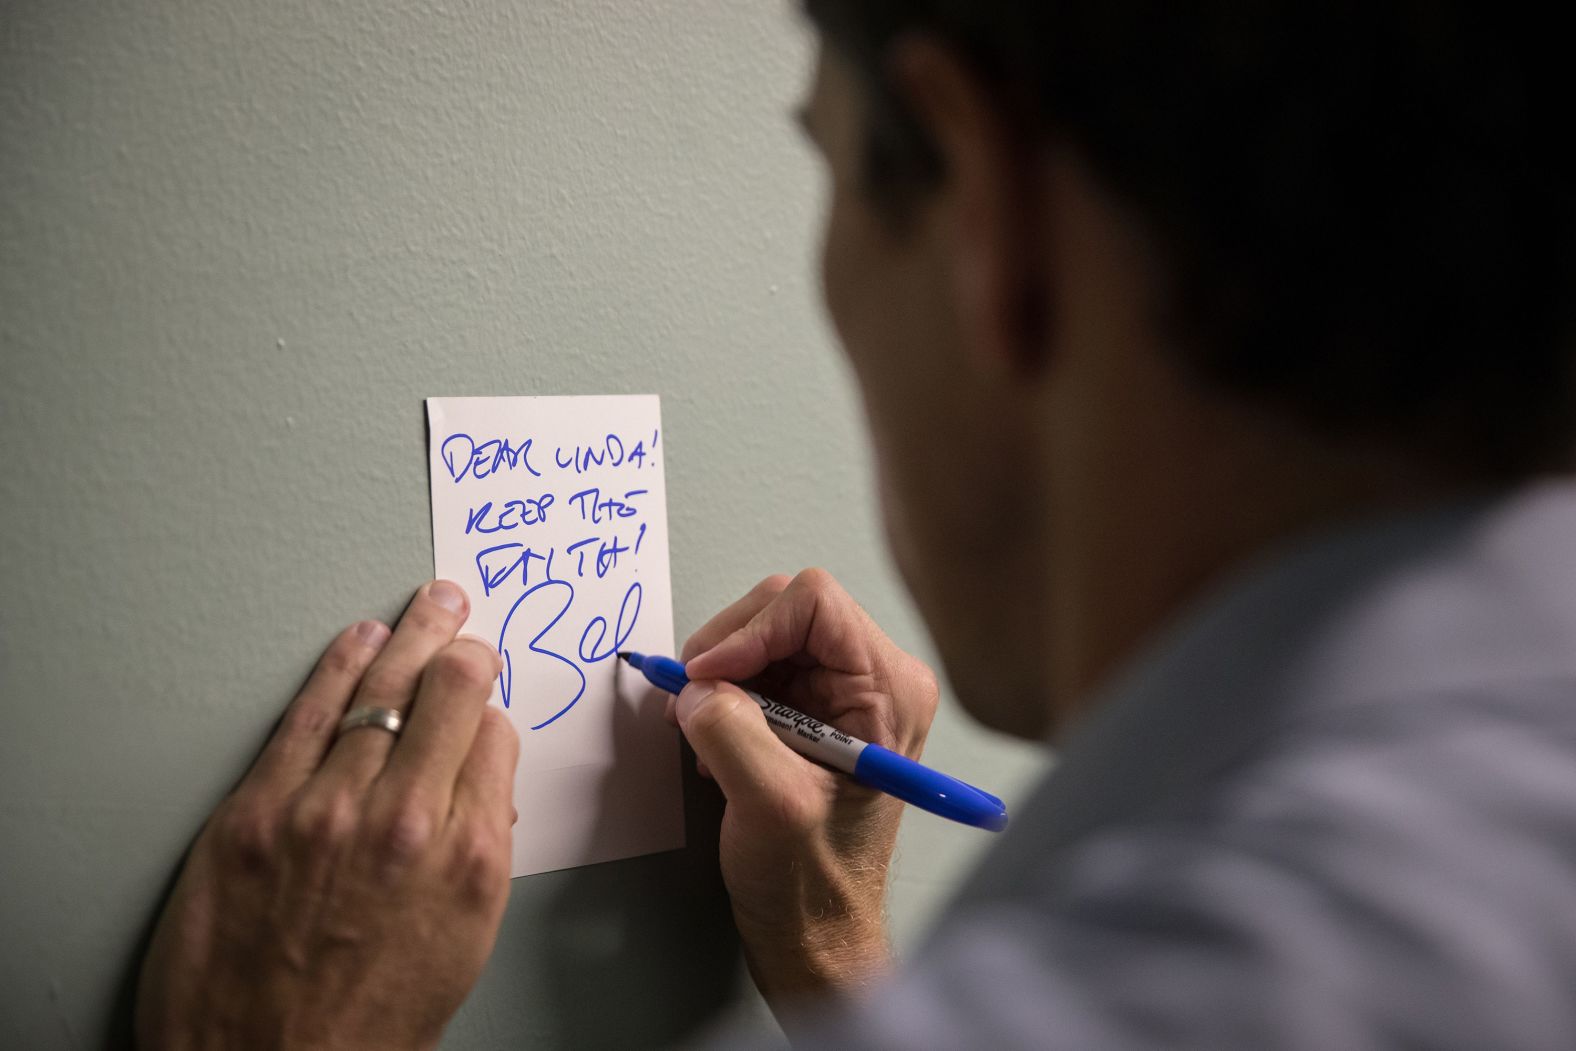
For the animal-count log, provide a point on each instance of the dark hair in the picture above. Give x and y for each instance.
(1363, 217)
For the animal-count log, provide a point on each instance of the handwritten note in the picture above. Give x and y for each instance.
(552, 513)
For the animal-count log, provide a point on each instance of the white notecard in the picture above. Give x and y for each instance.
(551, 512)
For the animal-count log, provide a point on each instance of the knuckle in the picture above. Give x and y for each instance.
(816, 580)
(342, 659)
(324, 820)
(405, 827)
(927, 687)
(247, 831)
(387, 682)
(465, 665)
(773, 584)
(429, 618)
(710, 716)
(494, 721)
(308, 720)
(480, 863)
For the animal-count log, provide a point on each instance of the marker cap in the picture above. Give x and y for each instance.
(897, 775)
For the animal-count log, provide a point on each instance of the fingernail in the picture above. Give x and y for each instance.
(448, 595)
(372, 633)
(516, 819)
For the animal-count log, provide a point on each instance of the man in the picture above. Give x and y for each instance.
(1217, 360)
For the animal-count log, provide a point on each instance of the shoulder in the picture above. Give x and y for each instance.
(1399, 872)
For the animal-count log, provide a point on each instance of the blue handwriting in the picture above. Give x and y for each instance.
(542, 667)
(463, 456)
(594, 509)
(513, 514)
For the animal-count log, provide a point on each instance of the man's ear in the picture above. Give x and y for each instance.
(990, 196)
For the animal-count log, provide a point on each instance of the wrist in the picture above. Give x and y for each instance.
(834, 951)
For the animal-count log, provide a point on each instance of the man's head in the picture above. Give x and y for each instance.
(1076, 250)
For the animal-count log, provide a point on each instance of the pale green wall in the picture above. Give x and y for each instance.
(239, 243)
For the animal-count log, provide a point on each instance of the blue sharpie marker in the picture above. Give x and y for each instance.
(869, 764)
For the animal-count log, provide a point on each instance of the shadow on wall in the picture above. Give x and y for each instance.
(644, 952)
(118, 1033)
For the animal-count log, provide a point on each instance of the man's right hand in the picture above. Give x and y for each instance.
(805, 852)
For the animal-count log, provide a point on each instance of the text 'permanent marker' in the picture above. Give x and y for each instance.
(869, 764)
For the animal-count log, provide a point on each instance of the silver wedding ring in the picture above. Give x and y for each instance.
(382, 718)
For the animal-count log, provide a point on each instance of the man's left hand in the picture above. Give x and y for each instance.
(349, 890)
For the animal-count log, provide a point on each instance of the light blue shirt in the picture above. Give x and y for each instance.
(1333, 809)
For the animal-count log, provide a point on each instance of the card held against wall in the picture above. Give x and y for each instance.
(551, 512)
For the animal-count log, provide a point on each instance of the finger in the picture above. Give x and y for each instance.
(812, 616)
(734, 616)
(429, 622)
(485, 786)
(454, 690)
(731, 739)
(306, 732)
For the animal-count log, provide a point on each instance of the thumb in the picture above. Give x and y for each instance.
(729, 733)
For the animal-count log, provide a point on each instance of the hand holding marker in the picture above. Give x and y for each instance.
(869, 764)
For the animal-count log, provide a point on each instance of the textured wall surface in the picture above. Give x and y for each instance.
(239, 243)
